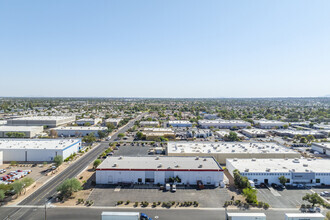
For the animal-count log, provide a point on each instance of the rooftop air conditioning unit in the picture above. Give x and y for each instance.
(200, 166)
(197, 158)
(120, 158)
(157, 158)
(115, 165)
(160, 165)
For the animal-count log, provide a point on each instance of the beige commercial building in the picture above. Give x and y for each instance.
(154, 133)
(224, 150)
(28, 131)
(49, 121)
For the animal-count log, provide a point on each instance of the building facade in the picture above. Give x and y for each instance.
(159, 170)
(48, 121)
(38, 149)
(308, 172)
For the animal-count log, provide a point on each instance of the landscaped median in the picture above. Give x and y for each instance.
(168, 204)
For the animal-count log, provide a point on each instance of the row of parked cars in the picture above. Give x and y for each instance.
(12, 176)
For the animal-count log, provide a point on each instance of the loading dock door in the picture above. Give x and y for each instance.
(110, 179)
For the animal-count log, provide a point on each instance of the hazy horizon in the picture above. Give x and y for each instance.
(165, 49)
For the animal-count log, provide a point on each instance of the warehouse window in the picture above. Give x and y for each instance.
(139, 180)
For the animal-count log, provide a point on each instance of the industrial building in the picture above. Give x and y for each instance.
(76, 131)
(224, 150)
(149, 123)
(28, 131)
(114, 121)
(223, 134)
(199, 133)
(297, 171)
(159, 170)
(323, 147)
(293, 133)
(223, 124)
(90, 121)
(179, 124)
(269, 124)
(49, 121)
(255, 133)
(38, 149)
(3, 122)
(154, 133)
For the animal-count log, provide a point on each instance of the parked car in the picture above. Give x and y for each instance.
(281, 187)
(300, 186)
(167, 186)
(173, 188)
(274, 185)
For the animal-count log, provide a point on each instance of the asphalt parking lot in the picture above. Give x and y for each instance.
(288, 198)
(129, 150)
(211, 198)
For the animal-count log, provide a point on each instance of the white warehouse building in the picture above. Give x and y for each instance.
(159, 170)
(38, 149)
(269, 124)
(75, 131)
(179, 124)
(49, 121)
(28, 131)
(223, 124)
(91, 121)
(323, 148)
(297, 171)
(224, 150)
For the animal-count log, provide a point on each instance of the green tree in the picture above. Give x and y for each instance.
(15, 134)
(310, 138)
(232, 136)
(250, 195)
(121, 135)
(87, 124)
(139, 135)
(58, 160)
(89, 138)
(327, 216)
(96, 163)
(282, 180)
(313, 198)
(2, 195)
(18, 187)
(303, 140)
(285, 126)
(102, 134)
(68, 187)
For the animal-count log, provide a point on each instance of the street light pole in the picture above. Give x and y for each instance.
(46, 209)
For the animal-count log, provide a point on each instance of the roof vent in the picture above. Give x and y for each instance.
(115, 165)
(160, 165)
(120, 158)
(267, 169)
(246, 170)
(254, 159)
(305, 165)
(157, 158)
(177, 166)
(205, 159)
(200, 166)
(197, 158)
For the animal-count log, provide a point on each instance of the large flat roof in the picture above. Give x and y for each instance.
(298, 132)
(160, 163)
(80, 128)
(37, 143)
(227, 147)
(52, 118)
(265, 121)
(281, 165)
(255, 131)
(221, 121)
(179, 122)
(20, 128)
(325, 145)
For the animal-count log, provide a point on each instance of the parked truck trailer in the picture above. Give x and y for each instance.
(246, 216)
(304, 216)
(124, 216)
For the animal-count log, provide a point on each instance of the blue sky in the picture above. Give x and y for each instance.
(158, 48)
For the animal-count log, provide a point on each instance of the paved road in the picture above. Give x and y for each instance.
(178, 214)
(40, 196)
